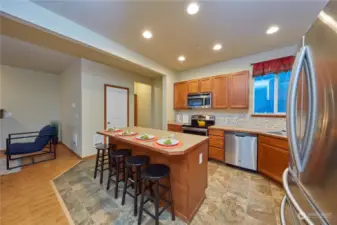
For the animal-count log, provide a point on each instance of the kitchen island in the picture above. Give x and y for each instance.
(187, 161)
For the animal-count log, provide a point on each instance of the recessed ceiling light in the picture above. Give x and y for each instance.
(147, 34)
(217, 47)
(181, 58)
(192, 8)
(272, 30)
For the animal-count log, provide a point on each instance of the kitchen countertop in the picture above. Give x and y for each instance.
(188, 141)
(175, 123)
(248, 130)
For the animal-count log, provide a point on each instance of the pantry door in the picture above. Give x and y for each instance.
(116, 102)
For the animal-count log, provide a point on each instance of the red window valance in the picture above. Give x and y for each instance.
(273, 66)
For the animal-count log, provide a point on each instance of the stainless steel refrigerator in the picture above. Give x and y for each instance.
(310, 182)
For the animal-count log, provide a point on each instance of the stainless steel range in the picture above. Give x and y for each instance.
(199, 125)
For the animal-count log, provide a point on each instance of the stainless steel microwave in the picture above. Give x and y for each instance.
(199, 100)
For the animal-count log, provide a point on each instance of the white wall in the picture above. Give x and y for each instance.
(144, 106)
(168, 94)
(71, 107)
(94, 76)
(157, 103)
(1, 145)
(31, 96)
(37, 15)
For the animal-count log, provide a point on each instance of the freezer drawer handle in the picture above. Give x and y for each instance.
(282, 211)
(292, 200)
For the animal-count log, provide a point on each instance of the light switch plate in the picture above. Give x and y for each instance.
(98, 139)
(200, 158)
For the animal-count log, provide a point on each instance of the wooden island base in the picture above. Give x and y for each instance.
(188, 174)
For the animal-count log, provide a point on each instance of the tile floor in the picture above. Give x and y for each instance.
(233, 197)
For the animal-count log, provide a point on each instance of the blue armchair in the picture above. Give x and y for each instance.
(44, 139)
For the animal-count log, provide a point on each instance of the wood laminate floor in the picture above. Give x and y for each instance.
(27, 197)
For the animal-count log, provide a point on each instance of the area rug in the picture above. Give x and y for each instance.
(88, 202)
(12, 163)
(233, 197)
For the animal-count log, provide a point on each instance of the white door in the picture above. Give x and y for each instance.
(116, 107)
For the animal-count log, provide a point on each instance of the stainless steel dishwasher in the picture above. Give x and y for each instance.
(241, 150)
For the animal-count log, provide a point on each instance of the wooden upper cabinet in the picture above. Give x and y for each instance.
(205, 85)
(220, 90)
(180, 95)
(239, 90)
(193, 86)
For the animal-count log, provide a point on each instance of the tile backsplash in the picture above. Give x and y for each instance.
(241, 119)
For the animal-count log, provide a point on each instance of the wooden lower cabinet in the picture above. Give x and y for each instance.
(216, 132)
(174, 128)
(272, 160)
(216, 149)
(216, 153)
(217, 141)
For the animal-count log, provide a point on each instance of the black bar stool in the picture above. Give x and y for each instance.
(117, 166)
(102, 159)
(153, 173)
(134, 163)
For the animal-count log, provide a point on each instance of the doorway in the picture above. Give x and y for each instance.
(143, 105)
(116, 106)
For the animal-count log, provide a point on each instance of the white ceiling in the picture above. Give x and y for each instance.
(17, 53)
(239, 25)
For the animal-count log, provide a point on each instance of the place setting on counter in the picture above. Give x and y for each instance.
(165, 142)
(169, 142)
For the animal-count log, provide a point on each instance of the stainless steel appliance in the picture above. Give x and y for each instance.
(199, 125)
(310, 182)
(241, 150)
(200, 100)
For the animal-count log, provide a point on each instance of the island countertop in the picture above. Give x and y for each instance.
(187, 162)
(188, 141)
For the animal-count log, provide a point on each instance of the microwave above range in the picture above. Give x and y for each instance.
(199, 100)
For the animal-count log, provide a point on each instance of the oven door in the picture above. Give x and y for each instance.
(195, 130)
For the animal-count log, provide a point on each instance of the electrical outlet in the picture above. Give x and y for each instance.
(75, 140)
(200, 158)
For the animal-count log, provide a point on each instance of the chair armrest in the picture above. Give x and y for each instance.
(31, 136)
(31, 132)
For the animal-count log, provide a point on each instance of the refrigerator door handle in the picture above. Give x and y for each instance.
(312, 109)
(291, 109)
(292, 200)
